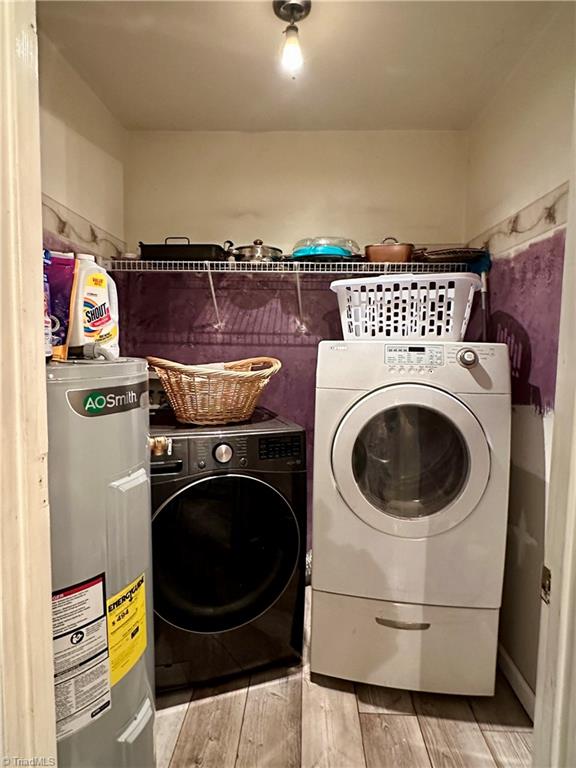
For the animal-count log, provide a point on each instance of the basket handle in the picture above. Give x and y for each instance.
(177, 237)
(274, 366)
(272, 363)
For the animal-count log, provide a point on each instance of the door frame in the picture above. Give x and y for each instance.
(27, 724)
(555, 712)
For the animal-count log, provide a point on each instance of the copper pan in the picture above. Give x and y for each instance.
(389, 250)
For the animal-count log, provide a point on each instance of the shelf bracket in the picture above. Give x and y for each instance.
(219, 324)
(301, 324)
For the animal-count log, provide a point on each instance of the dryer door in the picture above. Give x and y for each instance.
(225, 548)
(410, 460)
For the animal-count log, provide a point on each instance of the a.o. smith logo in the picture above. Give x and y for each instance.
(96, 402)
(102, 402)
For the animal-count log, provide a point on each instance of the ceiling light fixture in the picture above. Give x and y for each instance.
(291, 11)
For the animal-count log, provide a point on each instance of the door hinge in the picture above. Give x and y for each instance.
(545, 584)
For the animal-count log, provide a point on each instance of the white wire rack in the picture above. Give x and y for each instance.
(295, 268)
(283, 267)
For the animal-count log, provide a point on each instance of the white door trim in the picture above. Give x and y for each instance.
(555, 716)
(27, 728)
(519, 685)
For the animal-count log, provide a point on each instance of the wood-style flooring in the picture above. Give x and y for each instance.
(292, 719)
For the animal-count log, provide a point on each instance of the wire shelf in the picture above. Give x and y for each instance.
(285, 267)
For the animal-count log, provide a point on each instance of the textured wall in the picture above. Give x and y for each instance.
(525, 299)
(281, 187)
(171, 316)
(519, 144)
(525, 295)
(82, 145)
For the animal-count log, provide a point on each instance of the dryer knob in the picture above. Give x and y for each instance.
(223, 453)
(467, 358)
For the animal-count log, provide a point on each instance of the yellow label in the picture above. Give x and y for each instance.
(96, 280)
(109, 335)
(126, 612)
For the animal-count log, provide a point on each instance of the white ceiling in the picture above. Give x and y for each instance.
(369, 65)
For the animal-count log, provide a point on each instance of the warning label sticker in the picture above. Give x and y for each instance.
(81, 655)
(127, 628)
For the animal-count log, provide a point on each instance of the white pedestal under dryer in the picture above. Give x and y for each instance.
(411, 467)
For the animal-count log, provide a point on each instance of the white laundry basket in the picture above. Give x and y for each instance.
(407, 306)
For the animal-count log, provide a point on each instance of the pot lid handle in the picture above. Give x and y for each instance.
(258, 242)
(386, 239)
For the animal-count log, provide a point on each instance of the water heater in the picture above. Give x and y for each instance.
(99, 489)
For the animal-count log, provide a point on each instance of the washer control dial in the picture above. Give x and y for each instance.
(468, 358)
(223, 453)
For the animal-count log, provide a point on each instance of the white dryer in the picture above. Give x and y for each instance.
(411, 466)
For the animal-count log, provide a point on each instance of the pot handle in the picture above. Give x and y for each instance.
(386, 239)
(228, 245)
(177, 238)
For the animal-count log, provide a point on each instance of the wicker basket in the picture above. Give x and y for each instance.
(215, 393)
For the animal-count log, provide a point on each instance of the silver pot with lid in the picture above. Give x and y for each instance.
(257, 251)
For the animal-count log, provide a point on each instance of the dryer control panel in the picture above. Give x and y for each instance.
(414, 355)
(457, 366)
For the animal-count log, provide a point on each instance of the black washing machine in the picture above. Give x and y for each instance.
(229, 546)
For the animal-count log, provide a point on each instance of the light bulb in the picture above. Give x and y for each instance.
(292, 58)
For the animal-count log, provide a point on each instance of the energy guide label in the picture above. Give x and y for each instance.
(127, 627)
(81, 655)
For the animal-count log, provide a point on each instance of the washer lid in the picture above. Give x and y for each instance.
(410, 460)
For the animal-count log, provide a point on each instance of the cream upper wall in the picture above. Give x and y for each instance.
(82, 145)
(279, 186)
(520, 144)
(283, 186)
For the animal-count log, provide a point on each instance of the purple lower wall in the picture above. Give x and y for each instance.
(172, 316)
(525, 293)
